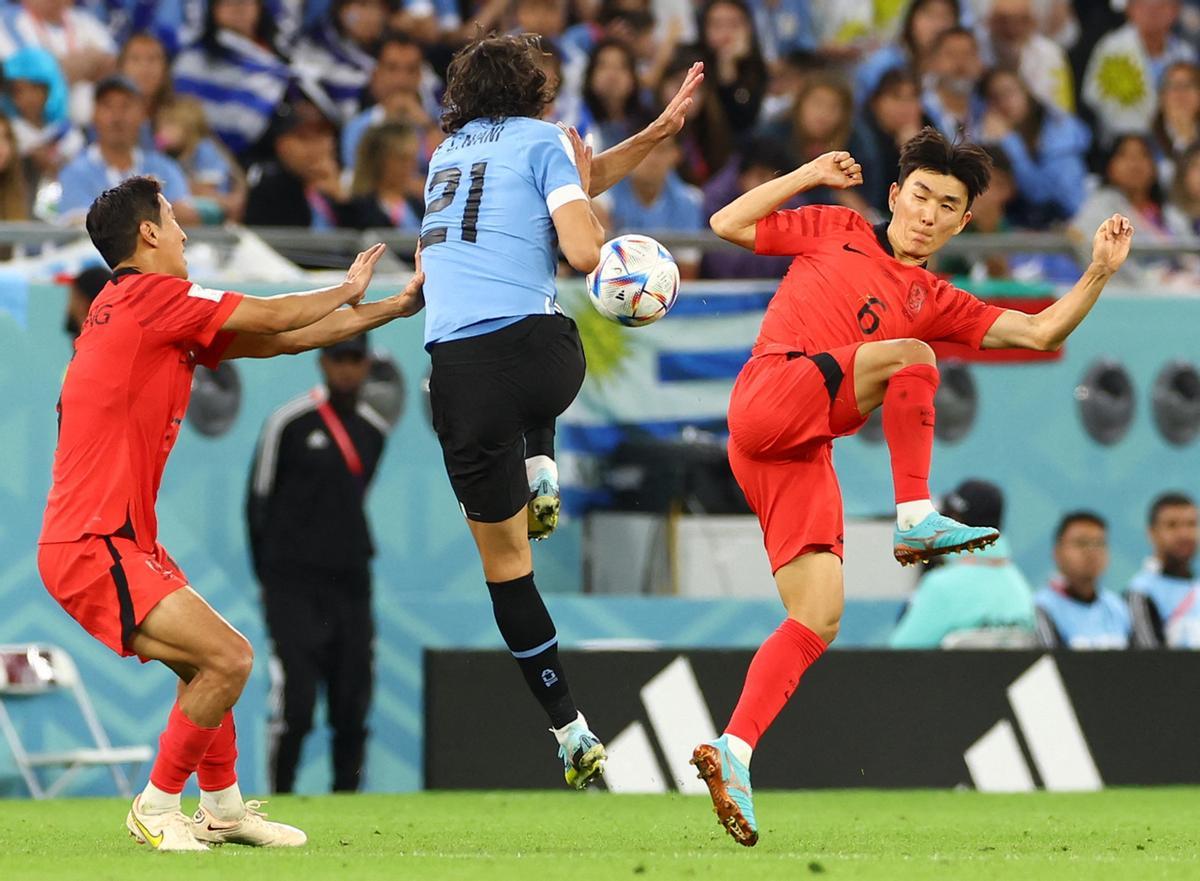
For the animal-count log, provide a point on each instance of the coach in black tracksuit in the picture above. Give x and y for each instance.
(312, 549)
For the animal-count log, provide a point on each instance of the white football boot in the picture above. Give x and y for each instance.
(253, 829)
(171, 831)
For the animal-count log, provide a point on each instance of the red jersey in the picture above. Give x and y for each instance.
(845, 286)
(123, 401)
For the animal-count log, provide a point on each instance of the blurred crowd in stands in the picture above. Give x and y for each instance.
(323, 113)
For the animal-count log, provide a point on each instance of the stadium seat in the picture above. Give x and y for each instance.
(31, 671)
(991, 638)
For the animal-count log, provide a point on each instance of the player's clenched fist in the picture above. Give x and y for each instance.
(1111, 244)
(838, 169)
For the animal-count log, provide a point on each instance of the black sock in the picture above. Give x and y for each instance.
(540, 442)
(529, 633)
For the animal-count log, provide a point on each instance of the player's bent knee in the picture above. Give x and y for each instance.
(909, 352)
(234, 662)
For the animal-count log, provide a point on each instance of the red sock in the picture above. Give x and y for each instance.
(908, 426)
(180, 749)
(773, 676)
(218, 769)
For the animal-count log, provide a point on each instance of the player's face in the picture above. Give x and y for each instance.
(926, 212)
(1174, 534)
(170, 241)
(1082, 553)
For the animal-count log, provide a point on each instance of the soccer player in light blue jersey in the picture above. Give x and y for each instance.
(505, 193)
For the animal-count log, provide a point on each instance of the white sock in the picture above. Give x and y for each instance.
(224, 804)
(909, 514)
(740, 749)
(560, 734)
(155, 801)
(536, 464)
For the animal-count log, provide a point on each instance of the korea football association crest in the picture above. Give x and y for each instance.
(916, 299)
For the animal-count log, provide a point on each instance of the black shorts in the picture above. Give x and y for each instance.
(488, 392)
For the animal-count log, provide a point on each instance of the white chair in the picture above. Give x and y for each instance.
(31, 671)
(991, 638)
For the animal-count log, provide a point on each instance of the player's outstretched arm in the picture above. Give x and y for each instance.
(341, 324)
(617, 161)
(293, 311)
(737, 220)
(580, 233)
(1047, 330)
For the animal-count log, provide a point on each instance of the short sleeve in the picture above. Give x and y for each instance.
(797, 230)
(552, 162)
(960, 317)
(183, 312)
(210, 356)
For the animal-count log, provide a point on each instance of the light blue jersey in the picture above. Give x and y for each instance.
(488, 245)
(1104, 623)
(1177, 601)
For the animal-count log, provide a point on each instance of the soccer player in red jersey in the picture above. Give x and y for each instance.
(847, 332)
(123, 401)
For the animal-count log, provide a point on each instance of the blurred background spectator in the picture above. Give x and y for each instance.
(82, 290)
(385, 190)
(951, 97)
(1163, 596)
(1073, 610)
(970, 593)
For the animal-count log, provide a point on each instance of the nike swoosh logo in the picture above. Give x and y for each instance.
(154, 840)
(846, 247)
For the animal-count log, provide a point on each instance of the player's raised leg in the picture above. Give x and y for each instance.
(542, 473)
(811, 589)
(529, 633)
(186, 634)
(902, 376)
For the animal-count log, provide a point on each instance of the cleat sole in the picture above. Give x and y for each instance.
(907, 556)
(543, 516)
(590, 767)
(708, 766)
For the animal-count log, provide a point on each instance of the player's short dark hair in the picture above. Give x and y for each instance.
(1171, 499)
(929, 150)
(115, 218)
(495, 77)
(1073, 517)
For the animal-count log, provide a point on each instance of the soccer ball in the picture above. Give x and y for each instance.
(635, 282)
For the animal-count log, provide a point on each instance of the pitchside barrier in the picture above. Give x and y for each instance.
(1001, 721)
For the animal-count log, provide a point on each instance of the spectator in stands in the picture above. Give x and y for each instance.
(340, 52)
(989, 214)
(1177, 123)
(1130, 186)
(14, 199)
(396, 88)
(788, 78)
(705, 141)
(611, 98)
(82, 45)
(890, 117)
(1185, 191)
(214, 177)
(144, 62)
(36, 105)
(81, 293)
(733, 63)
(1073, 611)
(117, 119)
(950, 98)
(784, 27)
(1046, 147)
(1121, 82)
(762, 159)
(924, 22)
(382, 193)
(969, 592)
(235, 71)
(1011, 40)
(653, 197)
(302, 186)
(1163, 595)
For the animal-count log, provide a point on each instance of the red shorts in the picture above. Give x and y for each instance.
(108, 584)
(784, 413)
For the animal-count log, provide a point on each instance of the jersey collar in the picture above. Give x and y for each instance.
(124, 271)
(882, 237)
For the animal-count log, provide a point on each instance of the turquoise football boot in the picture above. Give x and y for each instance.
(544, 503)
(729, 785)
(582, 754)
(937, 535)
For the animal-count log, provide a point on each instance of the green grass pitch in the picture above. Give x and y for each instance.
(1129, 834)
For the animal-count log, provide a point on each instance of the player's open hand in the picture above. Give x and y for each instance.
(671, 120)
(1110, 247)
(358, 276)
(583, 156)
(838, 170)
(411, 300)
